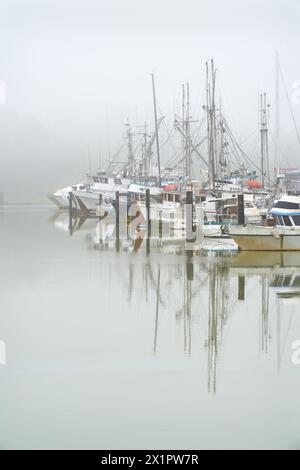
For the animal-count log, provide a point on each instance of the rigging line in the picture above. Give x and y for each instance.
(244, 154)
(249, 137)
(236, 147)
(173, 168)
(287, 334)
(169, 132)
(234, 152)
(172, 131)
(116, 155)
(167, 139)
(138, 145)
(253, 150)
(197, 131)
(274, 140)
(171, 160)
(232, 147)
(289, 102)
(176, 164)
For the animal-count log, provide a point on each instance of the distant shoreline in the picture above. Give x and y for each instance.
(17, 204)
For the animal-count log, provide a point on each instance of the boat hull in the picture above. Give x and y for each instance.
(90, 203)
(266, 239)
(59, 201)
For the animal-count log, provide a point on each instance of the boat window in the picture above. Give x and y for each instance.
(277, 281)
(96, 180)
(296, 281)
(279, 220)
(118, 181)
(287, 221)
(287, 205)
(287, 281)
(296, 219)
(104, 180)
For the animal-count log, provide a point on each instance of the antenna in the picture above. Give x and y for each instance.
(277, 114)
(188, 135)
(156, 131)
(264, 138)
(89, 160)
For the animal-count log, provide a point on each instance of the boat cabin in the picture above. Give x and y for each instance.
(286, 212)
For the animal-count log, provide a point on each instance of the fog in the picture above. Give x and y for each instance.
(72, 72)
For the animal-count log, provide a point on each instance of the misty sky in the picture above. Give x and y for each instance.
(75, 70)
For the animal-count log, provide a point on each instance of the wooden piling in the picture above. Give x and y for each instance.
(189, 269)
(117, 216)
(190, 236)
(241, 209)
(70, 197)
(241, 288)
(148, 210)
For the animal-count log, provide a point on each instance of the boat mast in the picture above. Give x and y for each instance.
(188, 136)
(145, 145)
(89, 161)
(210, 107)
(129, 136)
(185, 130)
(156, 131)
(214, 121)
(183, 122)
(277, 114)
(264, 139)
(267, 107)
(222, 147)
(208, 129)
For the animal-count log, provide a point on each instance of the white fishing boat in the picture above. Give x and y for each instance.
(285, 236)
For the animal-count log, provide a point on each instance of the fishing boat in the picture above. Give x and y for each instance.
(284, 236)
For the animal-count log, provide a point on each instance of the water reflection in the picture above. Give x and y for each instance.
(154, 347)
(286, 285)
(203, 292)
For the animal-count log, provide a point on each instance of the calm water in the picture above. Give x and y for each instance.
(109, 349)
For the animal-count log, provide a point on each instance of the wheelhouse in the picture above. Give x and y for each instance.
(169, 196)
(100, 179)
